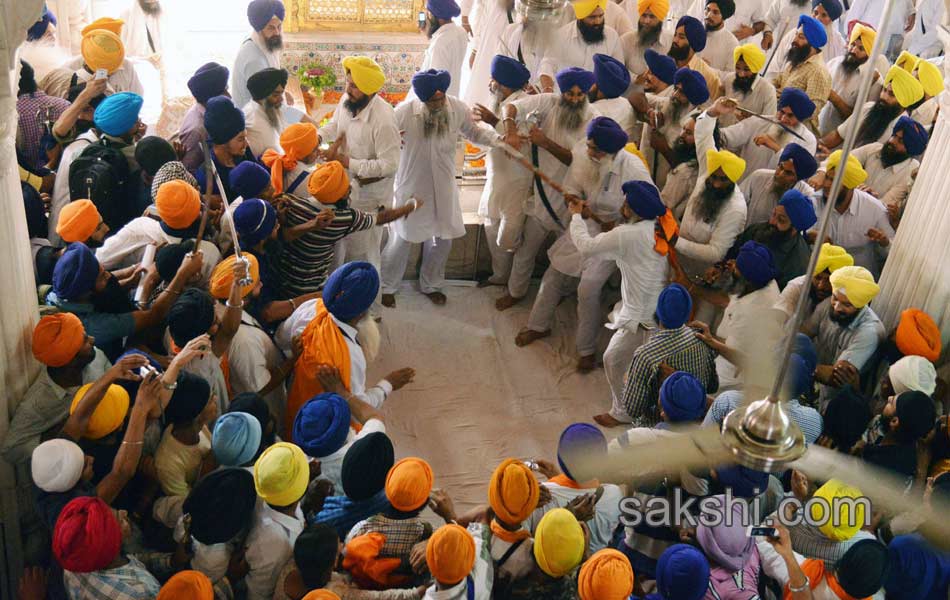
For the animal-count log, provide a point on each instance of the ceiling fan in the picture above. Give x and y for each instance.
(760, 434)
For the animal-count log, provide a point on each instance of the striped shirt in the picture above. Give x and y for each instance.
(131, 581)
(305, 262)
(341, 513)
(807, 418)
(680, 349)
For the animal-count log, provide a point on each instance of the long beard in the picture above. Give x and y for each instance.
(678, 53)
(274, 43)
(370, 339)
(842, 320)
(683, 151)
(677, 110)
(113, 299)
(355, 106)
(647, 36)
(570, 116)
(876, 121)
(150, 7)
(850, 64)
(776, 235)
(797, 56)
(273, 115)
(432, 27)
(890, 156)
(712, 201)
(779, 187)
(743, 85)
(592, 34)
(435, 123)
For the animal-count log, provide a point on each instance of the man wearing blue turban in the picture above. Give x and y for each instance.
(782, 235)
(608, 95)
(577, 43)
(507, 185)
(431, 124)
(805, 66)
(602, 199)
(644, 270)
(764, 188)
(761, 143)
(553, 124)
(689, 40)
(210, 80)
(447, 43)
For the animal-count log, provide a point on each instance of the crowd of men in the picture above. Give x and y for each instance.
(203, 427)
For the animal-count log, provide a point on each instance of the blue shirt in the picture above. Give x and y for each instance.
(341, 513)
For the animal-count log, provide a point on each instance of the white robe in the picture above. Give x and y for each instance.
(446, 51)
(485, 44)
(72, 16)
(427, 171)
(261, 134)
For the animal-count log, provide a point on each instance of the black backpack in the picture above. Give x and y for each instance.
(101, 173)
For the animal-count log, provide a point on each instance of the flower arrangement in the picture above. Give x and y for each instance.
(316, 76)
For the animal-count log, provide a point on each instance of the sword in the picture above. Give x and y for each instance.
(228, 211)
(770, 120)
(775, 43)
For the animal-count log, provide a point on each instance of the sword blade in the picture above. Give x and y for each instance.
(771, 120)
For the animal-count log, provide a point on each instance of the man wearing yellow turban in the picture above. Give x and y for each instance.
(859, 222)
(370, 152)
(931, 79)
(648, 34)
(743, 83)
(716, 211)
(845, 329)
(846, 72)
(830, 259)
(580, 39)
(900, 91)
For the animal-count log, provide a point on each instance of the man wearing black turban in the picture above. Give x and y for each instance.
(263, 115)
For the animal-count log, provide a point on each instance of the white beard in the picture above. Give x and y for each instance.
(369, 337)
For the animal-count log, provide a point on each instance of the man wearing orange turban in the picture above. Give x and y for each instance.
(290, 169)
(314, 225)
(918, 335)
(607, 575)
(513, 494)
(101, 47)
(59, 342)
(648, 33)
(365, 139)
(459, 562)
(187, 585)
(79, 221)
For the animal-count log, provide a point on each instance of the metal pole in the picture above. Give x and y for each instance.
(846, 147)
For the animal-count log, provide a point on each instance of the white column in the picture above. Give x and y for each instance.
(17, 288)
(917, 272)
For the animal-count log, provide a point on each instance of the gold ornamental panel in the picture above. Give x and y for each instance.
(354, 15)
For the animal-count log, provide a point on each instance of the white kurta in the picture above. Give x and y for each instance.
(620, 110)
(251, 358)
(760, 99)
(741, 319)
(123, 79)
(572, 51)
(525, 39)
(508, 184)
(600, 186)
(72, 16)
(880, 178)
(427, 171)
(252, 57)
(546, 106)
(261, 134)
(485, 44)
(372, 143)
(719, 48)
(446, 51)
(633, 51)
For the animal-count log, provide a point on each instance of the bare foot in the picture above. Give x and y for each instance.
(438, 298)
(389, 300)
(605, 420)
(526, 336)
(506, 302)
(586, 364)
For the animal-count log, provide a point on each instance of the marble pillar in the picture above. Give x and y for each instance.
(18, 312)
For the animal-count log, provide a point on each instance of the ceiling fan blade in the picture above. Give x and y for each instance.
(885, 490)
(691, 449)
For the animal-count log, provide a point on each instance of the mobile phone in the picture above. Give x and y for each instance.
(144, 371)
(422, 18)
(598, 494)
(102, 74)
(531, 464)
(769, 532)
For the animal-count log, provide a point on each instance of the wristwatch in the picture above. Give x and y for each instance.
(171, 387)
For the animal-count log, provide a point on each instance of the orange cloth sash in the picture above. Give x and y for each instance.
(323, 344)
(369, 571)
(670, 228)
(508, 536)
(565, 481)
